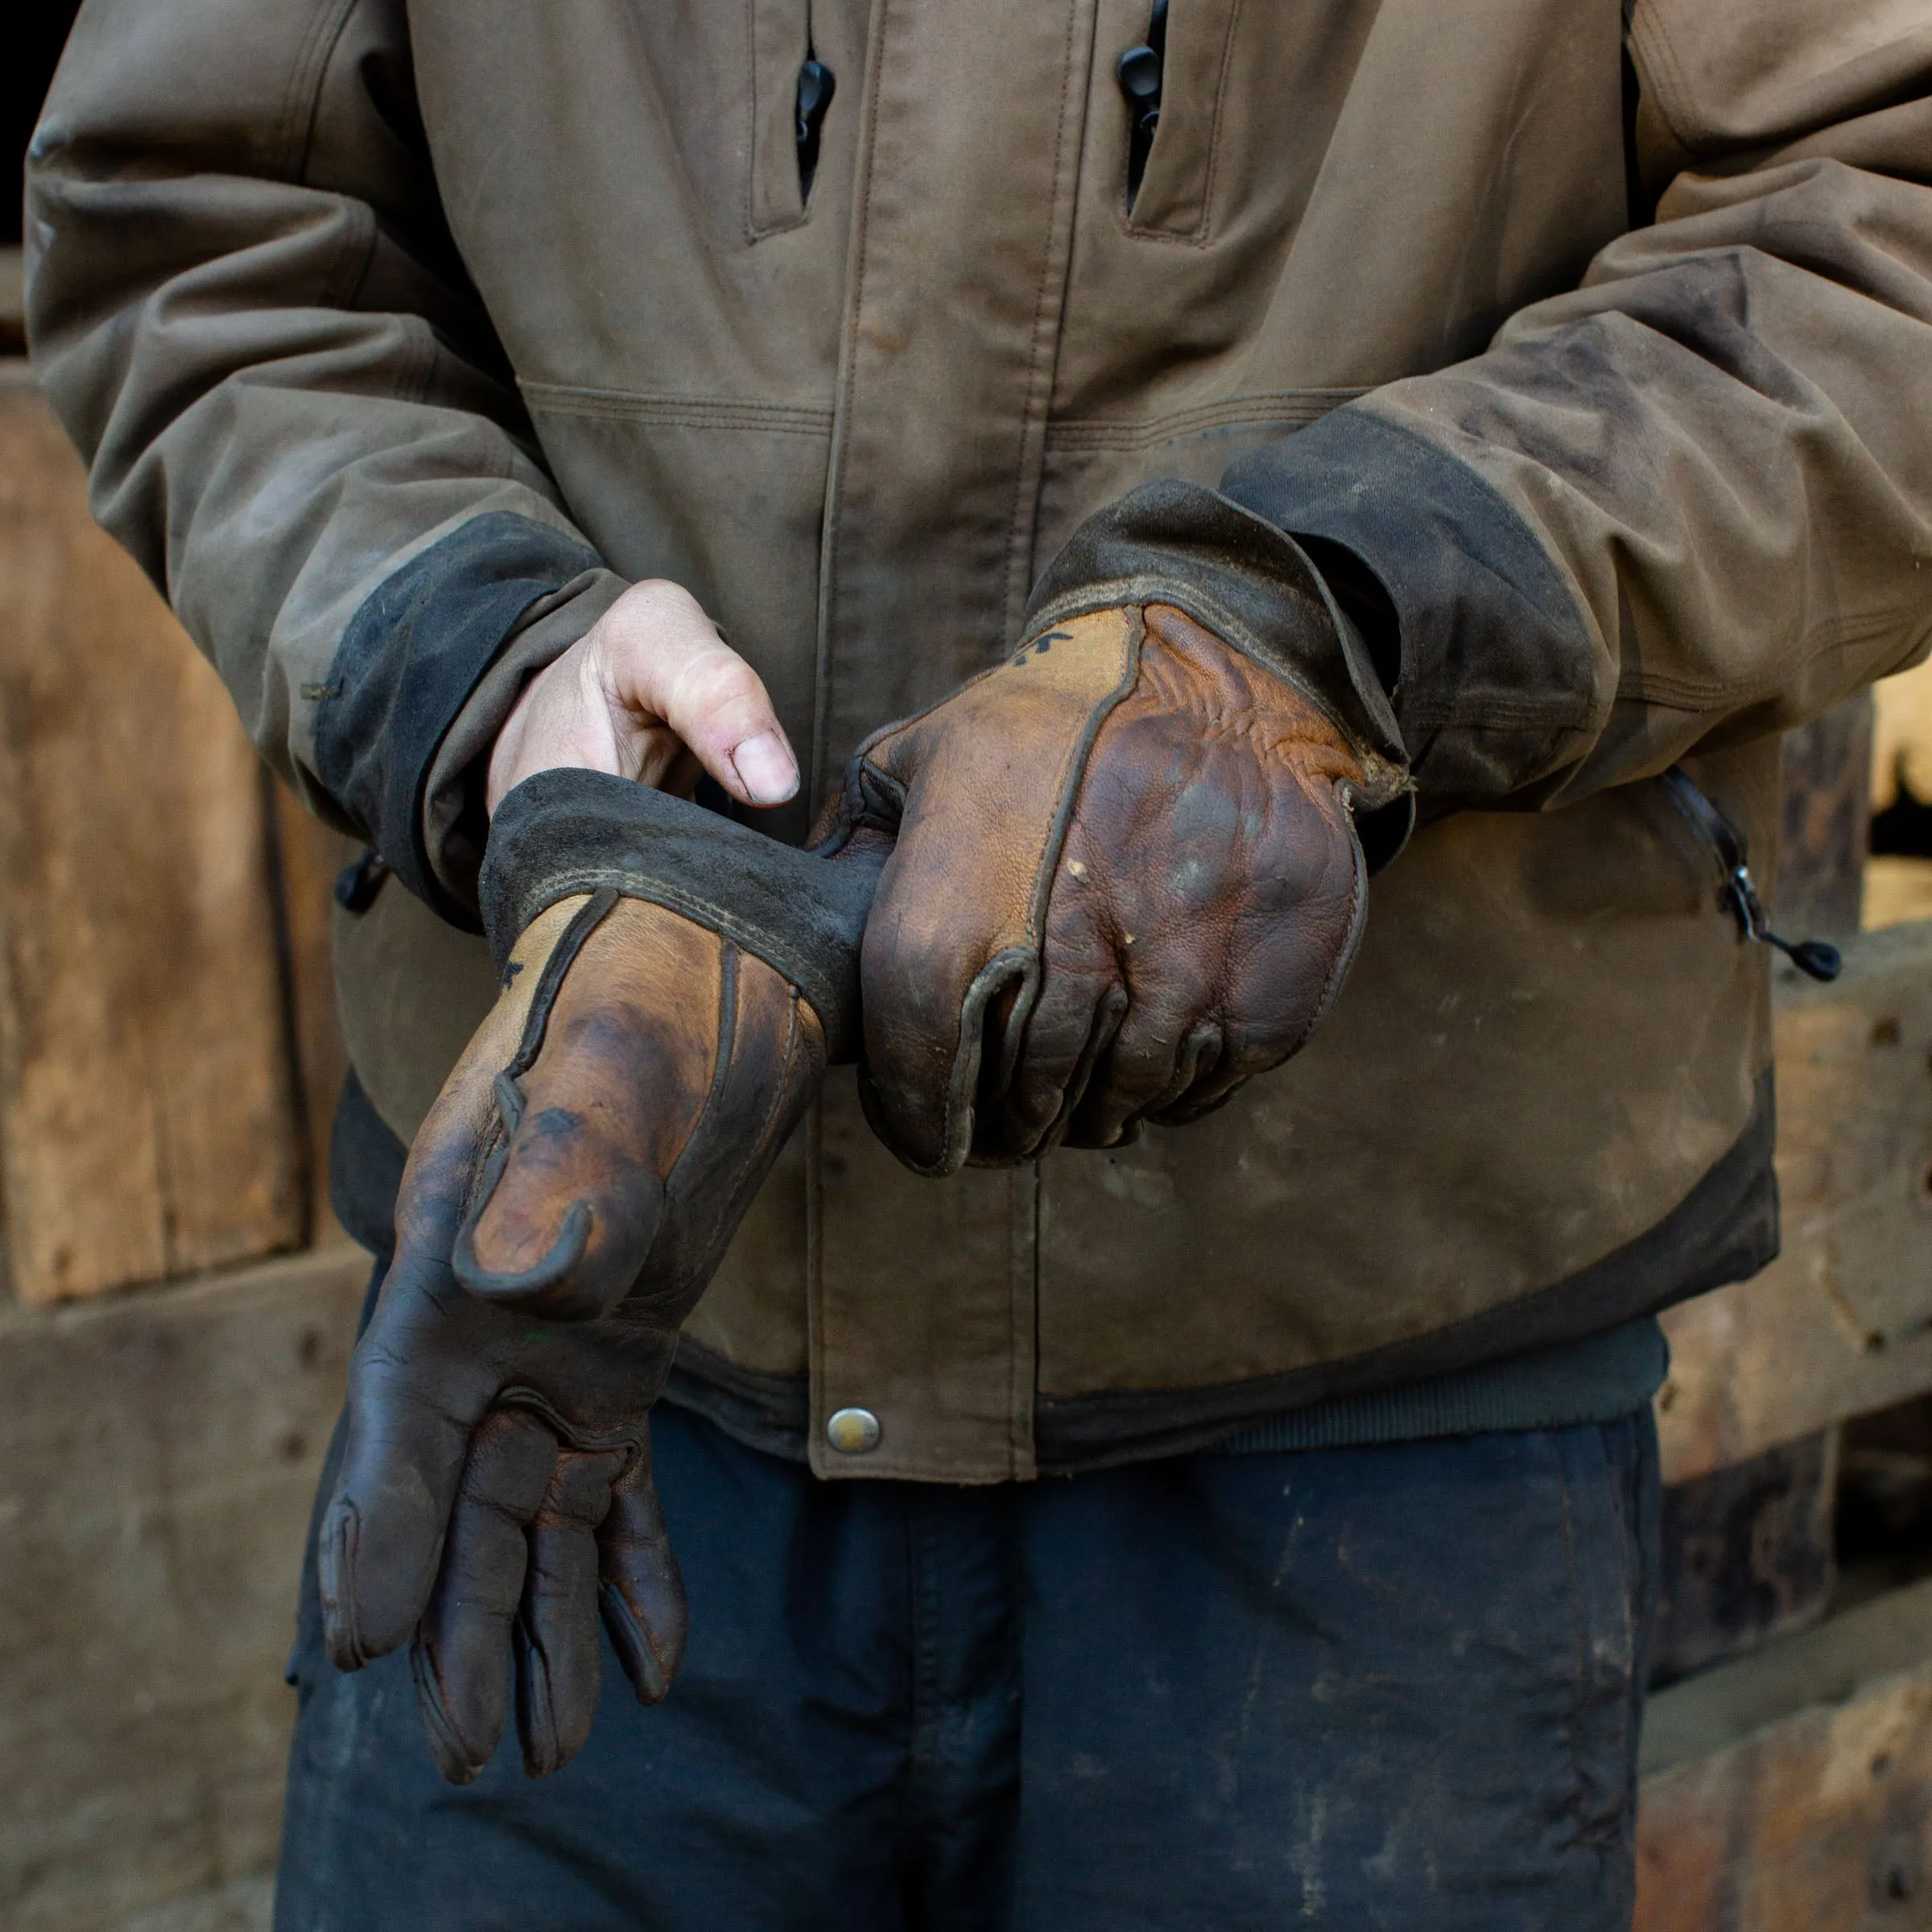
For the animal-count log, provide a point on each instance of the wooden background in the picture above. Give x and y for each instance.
(178, 1304)
(168, 1063)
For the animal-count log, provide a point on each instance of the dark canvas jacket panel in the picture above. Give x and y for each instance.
(398, 341)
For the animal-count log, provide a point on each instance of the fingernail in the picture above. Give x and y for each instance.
(765, 767)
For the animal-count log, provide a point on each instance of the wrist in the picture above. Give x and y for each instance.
(567, 718)
(651, 694)
(451, 802)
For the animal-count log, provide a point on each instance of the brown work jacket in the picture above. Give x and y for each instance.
(1593, 355)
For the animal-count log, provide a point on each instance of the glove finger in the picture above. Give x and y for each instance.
(939, 1014)
(418, 1386)
(642, 1594)
(617, 1080)
(420, 1380)
(951, 959)
(1079, 1012)
(559, 1662)
(461, 1657)
(1156, 1057)
(1211, 1091)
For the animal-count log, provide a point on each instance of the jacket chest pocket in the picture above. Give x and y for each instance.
(737, 95)
(1173, 85)
(792, 89)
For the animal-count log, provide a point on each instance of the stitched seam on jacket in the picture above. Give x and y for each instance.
(697, 412)
(1204, 232)
(302, 104)
(1039, 397)
(1198, 236)
(1143, 433)
(751, 132)
(1023, 1320)
(823, 657)
(754, 147)
(1674, 99)
(343, 279)
(1499, 714)
(1692, 694)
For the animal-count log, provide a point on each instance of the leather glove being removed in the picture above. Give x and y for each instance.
(675, 988)
(1125, 880)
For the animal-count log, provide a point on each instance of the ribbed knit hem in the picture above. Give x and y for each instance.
(1597, 1381)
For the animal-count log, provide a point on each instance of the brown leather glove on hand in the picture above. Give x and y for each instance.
(675, 989)
(1126, 879)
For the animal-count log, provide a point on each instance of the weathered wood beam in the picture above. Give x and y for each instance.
(1791, 1791)
(310, 856)
(1824, 821)
(1902, 740)
(1746, 1554)
(1842, 1322)
(148, 1126)
(158, 1455)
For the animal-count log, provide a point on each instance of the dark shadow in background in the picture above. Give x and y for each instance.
(1904, 826)
(29, 47)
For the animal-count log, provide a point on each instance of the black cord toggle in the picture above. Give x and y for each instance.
(1736, 892)
(359, 881)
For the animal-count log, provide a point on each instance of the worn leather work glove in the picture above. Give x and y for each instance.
(1126, 880)
(675, 986)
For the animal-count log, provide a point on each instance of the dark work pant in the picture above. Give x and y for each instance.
(1377, 1687)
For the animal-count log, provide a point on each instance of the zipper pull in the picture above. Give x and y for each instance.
(1737, 892)
(1140, 73)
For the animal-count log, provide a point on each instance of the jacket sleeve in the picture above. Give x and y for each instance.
(1690, 501)
(245, 305)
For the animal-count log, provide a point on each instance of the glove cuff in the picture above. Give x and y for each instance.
(1251, 585)
(566, 831)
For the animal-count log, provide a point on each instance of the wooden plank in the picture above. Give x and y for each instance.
(158, 1453)
(309, 856)
(1825, 818)
(1902, 742)
(1897, 892)
(1747, 1548)
(1864, 1643)
(1884, 1505)
(1792, 1791)
(13, 304)
(1842, 1322)
(1745, 1555)
(147, 1123)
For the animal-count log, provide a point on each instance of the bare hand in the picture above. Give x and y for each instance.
(651, 693)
